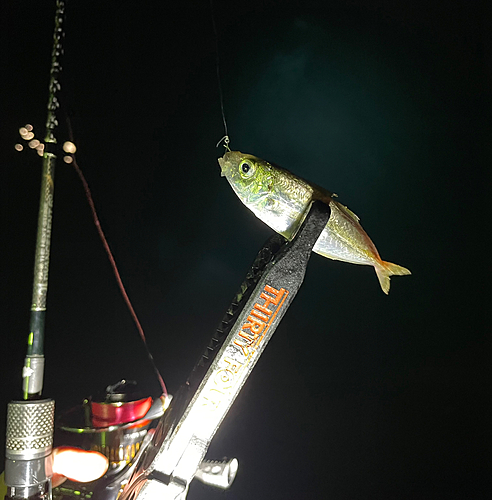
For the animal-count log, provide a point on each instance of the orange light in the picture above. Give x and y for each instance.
(19, 147)
(33, 144)
(79, 465)
(67, 159)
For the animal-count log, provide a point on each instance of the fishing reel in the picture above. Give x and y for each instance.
(114, 423)
(156, 448)
(119, 423)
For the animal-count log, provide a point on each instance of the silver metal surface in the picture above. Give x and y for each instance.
(29, 429)
(39, 491)
(29, 443)
(218, 473)
(33, 374)
(29, 474)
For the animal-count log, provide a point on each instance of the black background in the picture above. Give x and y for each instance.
(358, 395)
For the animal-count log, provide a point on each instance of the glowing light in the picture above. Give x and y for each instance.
(29, 127)
(40, 146)
(79, 465)
(69, 147)
(34, 143)
(28, 136)
(23, 131)
(40, 152)
(67, 159)
(19, 147)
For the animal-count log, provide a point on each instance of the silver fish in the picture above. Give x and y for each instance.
(281, 200)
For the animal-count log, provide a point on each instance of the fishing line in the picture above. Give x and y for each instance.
(113, 263)
(224, 139)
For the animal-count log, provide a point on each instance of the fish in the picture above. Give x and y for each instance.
(282, 200)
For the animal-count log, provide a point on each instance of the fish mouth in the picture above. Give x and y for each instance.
(222, 164)
(228, 163)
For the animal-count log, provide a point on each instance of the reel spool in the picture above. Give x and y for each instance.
(114, 423)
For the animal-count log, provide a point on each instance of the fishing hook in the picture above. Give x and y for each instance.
(226, 141)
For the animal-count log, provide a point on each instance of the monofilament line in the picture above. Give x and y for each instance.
(116, 273)
(217, 65)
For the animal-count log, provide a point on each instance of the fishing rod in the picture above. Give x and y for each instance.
(30, 421)
(112, 421)
(163, 462)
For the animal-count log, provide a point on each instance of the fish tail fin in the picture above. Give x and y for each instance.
(385, 270)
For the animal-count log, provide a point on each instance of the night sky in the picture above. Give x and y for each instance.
(358, 395)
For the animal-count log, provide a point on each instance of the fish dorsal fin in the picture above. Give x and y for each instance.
(349, 212)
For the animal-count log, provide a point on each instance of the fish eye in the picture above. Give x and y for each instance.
(246, 169)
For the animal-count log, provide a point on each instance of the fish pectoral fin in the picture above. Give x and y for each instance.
(387, 269)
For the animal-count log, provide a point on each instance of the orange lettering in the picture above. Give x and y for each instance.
(269, 299)
(263, 308)
(249, 338)
(255, 325)
(242, 346)
(258, 314)
(258, 321)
